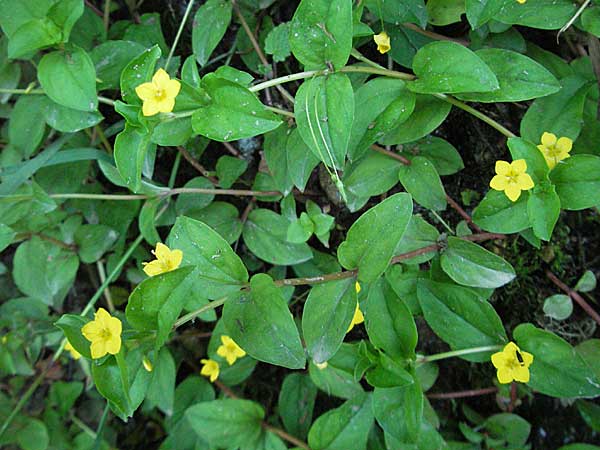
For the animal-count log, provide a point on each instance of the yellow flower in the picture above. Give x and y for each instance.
(511, 178)
(159, 94)
(357, 319)
(357, 287)
(522, 1)
(554, 150)
(210, 369)
(230, 350)
(322, 366)
(147, 364)
(166, 260)
(512, 364)
(383, 42)
(74, 353)
(104, 332)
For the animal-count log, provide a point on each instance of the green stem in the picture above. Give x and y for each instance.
(98, 439)
(174, 170)
(106, 101)
(192, 315)
(452, 354)
(179, 31)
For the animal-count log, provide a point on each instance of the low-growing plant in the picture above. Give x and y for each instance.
(274, 183)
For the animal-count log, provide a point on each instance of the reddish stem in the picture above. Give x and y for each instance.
(462, 213)
(463, 394)
(574, 295)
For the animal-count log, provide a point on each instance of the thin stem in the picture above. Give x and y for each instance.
(106, 15)
(77, 421)
(358, 55)
(462, 213)
(282, 80)
(463, 394)
(192, 315)
(196, 165)
(107, 296)
(433, 35)
(452, 354)
(505, 131)
(174, 170)
(106, 101)
(574, 295)
(98, 440)
(178, 35)
(386, 152)
(103, 139)
(375, 71)
(280, 111)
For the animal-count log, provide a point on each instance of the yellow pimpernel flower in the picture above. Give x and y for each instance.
(512, 364)
(521, 1)
(357, 319)
(74, 353)
(166, 260)
(383, 42)
(511, 178)
(210, 369)
(230, 350)
(553, 149)
(159, 94)
(104, 332)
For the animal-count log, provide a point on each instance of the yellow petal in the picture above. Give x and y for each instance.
(510, 348)
(383, 42)
(150, 108)
(502, 167)
(527, 358)
(357, 287)
(114, 325)
(519, 166)
(91, 330)
(550, 161)
(166, 105)
(162, 252)
(153, 268)
(113, 345)
(548, 139)
(172, 88)
(504, 375)
(145, 91)
(161, 78)
(175, 259)
(525, 182)
(521, 374)
(513, 192)
(499, 182)
(564, 144)
(498, 360)
(98, 348)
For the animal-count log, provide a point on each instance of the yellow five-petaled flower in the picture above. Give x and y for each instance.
(104, 332)
(159, 94)
(230, 350)
(166, 260)
(512, 364)
(553, 149)
(358, 315)
(210, 369)
(74, 353)
(383, 42)
(511, 178)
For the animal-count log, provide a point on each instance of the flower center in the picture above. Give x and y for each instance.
(159, 94)
(105, 334)
(552, 151)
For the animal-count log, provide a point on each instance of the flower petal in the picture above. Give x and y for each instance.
(527, 358)
(498, 360)
(504, 375)
(153, 268)
(91, 330)
(548, 139)
(519, 166)
(521, 374)
(175, 259)
(511, 348)
(564, 144)
(98, 348)
(162, 252)
(513, 192)
(114, 325)
(161, 78)
(145, 91)
(499, 182)
(113, 345)
(525, 182)
(172, 88)
(166, 105)
(150, 108)
(502, 167)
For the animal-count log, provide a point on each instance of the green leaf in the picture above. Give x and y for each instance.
(590, 412)
(509, 427)
(229, 170)
(443, 155)
(234, 112)
(44, 271)
(69, 120)
(421, 180)
(577, 182)
(277, 42)
(536, 164)
(481, 11)
(321, 33)
(338, 377)
(146, 221)
(222, 217)
(460, 318)
(110, 59)
(327, 314)
(187, 204)
(445, 12)
(155, 304)
(296, 403)
(260, 322)
(32, 36)
(590, 20)
(131, 146)
(372, 239)
(300, 230)
(381, 105)
(497, 214)
(139, 70)
(470, 264)
(447, 67)
(388, 373)
(226, 423)
(419, 234)
(161, 390)
(543, 208)
(33, 435)
(398, 11)
(26, 125)
(265, 234)
(69, 79)
(71, 326)
(324, 112)
(399, 411)
(587, 282)
(558, 306)
(560, 113)
(93, 241)
(209, 27)
(520, 78)
(109, 383)
(221, 270)
(557, 369)
(389, 322)
(7, 235)
(556, 13)
(344, 427)
(429, 113)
